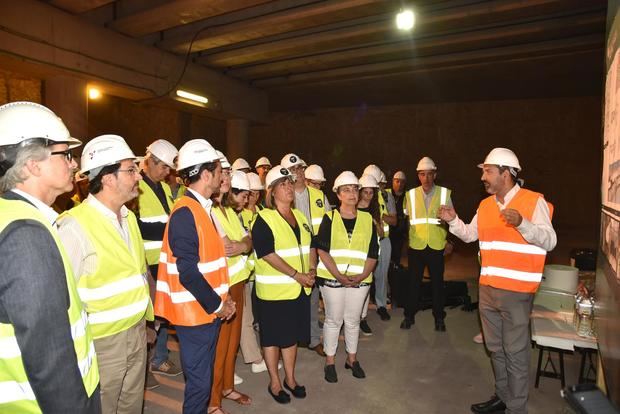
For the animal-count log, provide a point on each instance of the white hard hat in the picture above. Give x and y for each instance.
(345, 178)
(303, 163)
(239, 164)
(255, 183)
(276, 173)
(426, 164)
(290, 160)
(314, 172)
(223, 159)
(240, 181)
(368, 181)
(373, 170)
(262, 161)
(164, 151)
(21, 121)
(102, 151)
(382, 178)
(196, 152)
(400, 175)
(502, 157)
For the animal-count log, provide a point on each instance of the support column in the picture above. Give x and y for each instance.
(237, 139)
(68, 98)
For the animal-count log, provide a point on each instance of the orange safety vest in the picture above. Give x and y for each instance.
(172, 301)
(508, 261)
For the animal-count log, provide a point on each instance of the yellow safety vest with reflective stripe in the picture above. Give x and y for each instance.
(349, 254)
(317, 207)
(151, 211)
(16, 394)
(180, 192)
(271, 284)
(238, 268)
(247, 219)
(116, 296)
(383, 210)
(425, 229)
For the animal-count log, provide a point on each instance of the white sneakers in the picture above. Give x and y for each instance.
(479, 339)
(261, 366)
(238, 379)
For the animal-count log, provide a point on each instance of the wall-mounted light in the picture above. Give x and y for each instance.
(94, 93)
(405, 19)
(192, 97)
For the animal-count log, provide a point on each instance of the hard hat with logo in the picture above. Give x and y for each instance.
(373, 170)
(196, 152)
(345, 178)
(164, 151)
(255, 183)
(426, 164)
(400, 175)
(276, 173)
(102, 151)
(502, 157)
(314, 172)
(223, 159)
(291, 160)
(262, 161)
(239, 164)
(368, 181)
(240, 181)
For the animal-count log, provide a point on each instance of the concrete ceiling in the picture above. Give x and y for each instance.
(309, 53)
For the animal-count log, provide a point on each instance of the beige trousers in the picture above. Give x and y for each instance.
(249, 342)
(122, 369)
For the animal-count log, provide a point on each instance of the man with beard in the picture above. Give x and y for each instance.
(514, 228)
(106, 250)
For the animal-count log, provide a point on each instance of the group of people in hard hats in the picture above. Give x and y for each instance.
(186, 241)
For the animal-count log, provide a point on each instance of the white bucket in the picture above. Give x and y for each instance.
(561, 278)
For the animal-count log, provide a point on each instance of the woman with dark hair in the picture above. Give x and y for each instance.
(284, 278)
(237, 245)
(348, 249)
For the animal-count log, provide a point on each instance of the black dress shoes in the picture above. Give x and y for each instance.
(406, 323)
(440, 326)
(281, 398)
(356, 369)
(330, 373)
(298, 392)
(493, 406)
(383, 313)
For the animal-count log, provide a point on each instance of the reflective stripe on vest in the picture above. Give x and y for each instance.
(425, 229)
(172, 301)
(349, 254)
(151, 211)
(316, 198)
(116, 295)
(271, 284)
(16, 394)
(508, 261)
(238, 271)
(383, 210)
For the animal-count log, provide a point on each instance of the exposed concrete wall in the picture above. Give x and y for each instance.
(557, 141)
(18, 87)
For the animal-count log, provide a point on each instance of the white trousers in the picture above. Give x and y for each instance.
(342, 305)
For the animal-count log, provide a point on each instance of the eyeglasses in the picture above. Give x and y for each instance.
(131, 171)
(66, 153)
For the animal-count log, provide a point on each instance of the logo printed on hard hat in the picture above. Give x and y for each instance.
(292, 158)
(307, 228)
(319, 203)
(284, 171)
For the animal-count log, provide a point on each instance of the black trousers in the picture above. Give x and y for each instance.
(418, 261)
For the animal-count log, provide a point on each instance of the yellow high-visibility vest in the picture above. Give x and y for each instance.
(425, 229)
(151, 211)
(238, 268)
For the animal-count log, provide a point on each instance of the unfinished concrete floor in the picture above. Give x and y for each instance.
(415, 371)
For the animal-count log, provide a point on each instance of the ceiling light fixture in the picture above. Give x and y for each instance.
(192, 96)
(94, 93)
(405, 19)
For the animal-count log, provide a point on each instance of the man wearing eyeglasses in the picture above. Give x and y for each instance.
(47, 358)
(106, 250)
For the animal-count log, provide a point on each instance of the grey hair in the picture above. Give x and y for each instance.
(16, 174)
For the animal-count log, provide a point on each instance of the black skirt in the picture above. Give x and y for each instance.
(283, 323)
